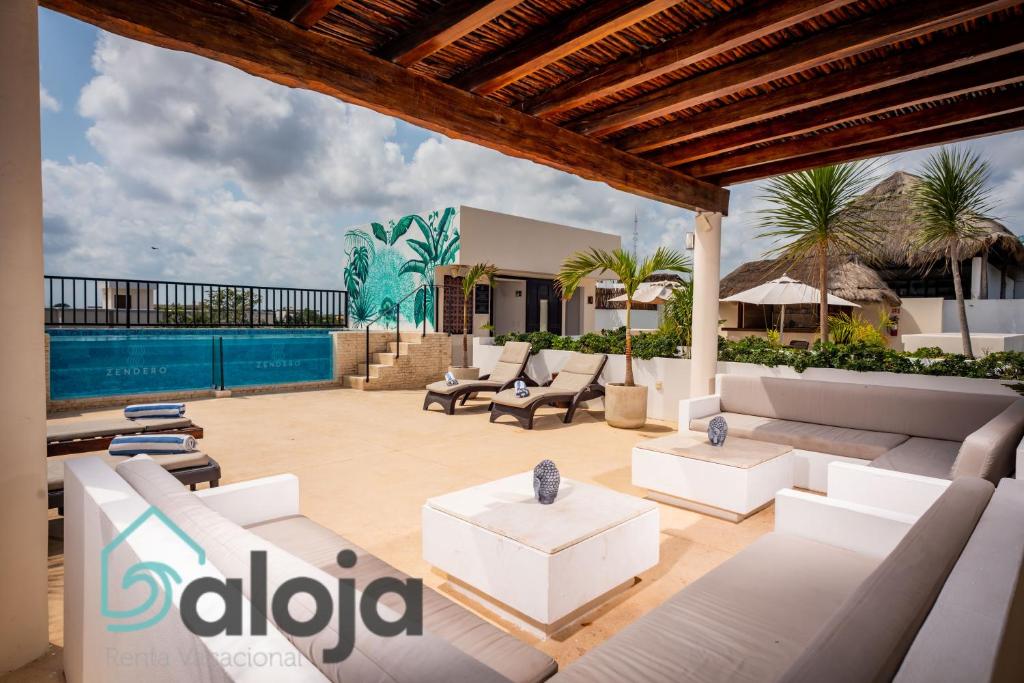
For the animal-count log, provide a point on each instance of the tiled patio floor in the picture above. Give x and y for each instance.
(368, 460)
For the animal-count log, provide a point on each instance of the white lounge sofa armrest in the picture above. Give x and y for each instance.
(694, 408)
(1019, 471)
(860, 528)
(256, 500)
(909, 494)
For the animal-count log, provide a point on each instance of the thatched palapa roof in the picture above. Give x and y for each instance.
(847, 278)
(889, 204)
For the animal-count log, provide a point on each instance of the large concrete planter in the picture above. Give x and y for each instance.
(625, 407)
(464, 373)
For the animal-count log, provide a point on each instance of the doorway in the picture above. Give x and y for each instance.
(543, 306)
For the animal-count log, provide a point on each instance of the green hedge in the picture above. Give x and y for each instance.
(858, 356)
(645, 344)
(1005, 365)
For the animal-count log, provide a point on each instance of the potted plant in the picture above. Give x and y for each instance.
(625, 404)
(468, 286)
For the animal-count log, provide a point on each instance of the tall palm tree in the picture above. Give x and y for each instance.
(469, 280)
(816, 214)
(630, 273)
(950, 203)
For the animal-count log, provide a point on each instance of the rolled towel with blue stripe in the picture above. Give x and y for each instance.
(154, 410)
(152, 444)
(521, 390)
(449, 379)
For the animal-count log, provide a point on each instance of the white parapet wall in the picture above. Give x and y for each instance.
(668, 379)
(982, 343)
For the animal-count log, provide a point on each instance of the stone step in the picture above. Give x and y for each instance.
(383, 358)
(402, 348)
(375, 369)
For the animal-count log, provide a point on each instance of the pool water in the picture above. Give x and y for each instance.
(110, 362)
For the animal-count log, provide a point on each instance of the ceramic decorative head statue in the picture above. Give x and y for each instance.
(717, 431)
(545, 482)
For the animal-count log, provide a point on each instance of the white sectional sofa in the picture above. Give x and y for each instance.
(927, 433)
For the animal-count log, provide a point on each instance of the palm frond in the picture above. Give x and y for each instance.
(952, 200)
(819, 208)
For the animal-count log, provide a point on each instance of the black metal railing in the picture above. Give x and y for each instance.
(127, 302)
(396, 308)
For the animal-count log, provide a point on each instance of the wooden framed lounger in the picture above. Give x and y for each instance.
(577, 382)
(85, 437)
(511, 366)
(206, 473)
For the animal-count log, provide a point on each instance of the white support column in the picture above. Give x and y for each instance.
(707, 255)
(23, 525)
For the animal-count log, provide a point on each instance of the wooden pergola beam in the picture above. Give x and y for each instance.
(923, 119)
(983, 75)
(899, 22)
(750, 22)
(563, 36)
(242, 36)
(305, 13)
(1002, 123)
(993, 40)
(453, 21)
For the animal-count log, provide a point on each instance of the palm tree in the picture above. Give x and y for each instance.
(950, 202)
(475, 272)
(630, 273)
(816, 214)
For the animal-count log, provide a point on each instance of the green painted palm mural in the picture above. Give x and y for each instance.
(384, 264)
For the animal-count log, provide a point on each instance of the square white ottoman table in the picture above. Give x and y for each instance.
(731, 481)
(542, 567)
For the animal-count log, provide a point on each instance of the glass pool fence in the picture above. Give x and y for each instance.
(94, 363)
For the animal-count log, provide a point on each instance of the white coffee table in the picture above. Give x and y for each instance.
(540, 566)
(732, 481)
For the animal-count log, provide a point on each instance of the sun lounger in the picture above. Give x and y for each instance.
(510, 367)
(63, 438)
(188, 468)
(576, 382)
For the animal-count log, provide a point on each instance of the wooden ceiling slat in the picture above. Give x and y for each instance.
(902, 21)
(447, 25)
(922, 119)
(305, 13)
(1000, 38)
(563, 36)
(1002, 123)
(243, 36)
(988, 74)
(745, 25)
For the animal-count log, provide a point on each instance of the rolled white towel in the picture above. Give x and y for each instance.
(154, 410)
(521, 390)
(155, 444)
(449, 379)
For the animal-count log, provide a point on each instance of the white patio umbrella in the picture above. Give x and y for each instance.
(650, 293)
(782, 291)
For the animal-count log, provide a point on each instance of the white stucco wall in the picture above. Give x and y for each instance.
(514, 243)
(612, 318)
(986, 315)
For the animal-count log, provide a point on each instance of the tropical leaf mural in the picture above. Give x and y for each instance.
(385, 263)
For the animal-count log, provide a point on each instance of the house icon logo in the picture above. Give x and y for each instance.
(154, 576)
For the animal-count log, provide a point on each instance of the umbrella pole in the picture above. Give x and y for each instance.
(782, 324)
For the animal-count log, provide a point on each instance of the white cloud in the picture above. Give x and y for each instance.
(48, 102)
(240, 180)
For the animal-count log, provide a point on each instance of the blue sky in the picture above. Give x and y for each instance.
(239, 180)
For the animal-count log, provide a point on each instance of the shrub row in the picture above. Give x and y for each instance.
(858, 356)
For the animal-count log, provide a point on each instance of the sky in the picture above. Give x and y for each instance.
(238, 180)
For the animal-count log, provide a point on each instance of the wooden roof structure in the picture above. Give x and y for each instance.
(669, 99)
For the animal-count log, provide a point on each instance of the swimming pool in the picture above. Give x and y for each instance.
(109, 362)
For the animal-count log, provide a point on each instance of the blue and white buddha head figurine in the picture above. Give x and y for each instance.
(545, 482)
(717, 431)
